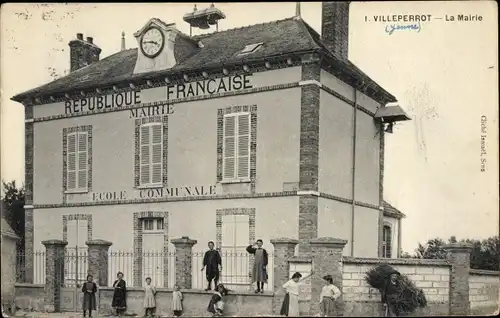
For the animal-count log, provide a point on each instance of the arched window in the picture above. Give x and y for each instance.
(387, 241)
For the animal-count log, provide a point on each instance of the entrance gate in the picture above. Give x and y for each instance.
(75, 266)
(75, 274)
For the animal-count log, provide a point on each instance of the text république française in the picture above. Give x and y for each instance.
(186, 90)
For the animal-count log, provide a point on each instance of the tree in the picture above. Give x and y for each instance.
(13, 200)
(484, 255)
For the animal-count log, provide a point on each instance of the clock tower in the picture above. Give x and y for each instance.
(156, 46)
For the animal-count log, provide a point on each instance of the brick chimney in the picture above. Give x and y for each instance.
(82, 53)
(335, 27)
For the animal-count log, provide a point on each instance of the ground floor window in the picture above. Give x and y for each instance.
(235, 239)
(76, 265)
(153, 247)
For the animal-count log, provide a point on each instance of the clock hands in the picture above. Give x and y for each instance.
(152, 42)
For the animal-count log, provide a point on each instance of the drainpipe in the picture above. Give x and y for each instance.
(399, 238)
(353, 206)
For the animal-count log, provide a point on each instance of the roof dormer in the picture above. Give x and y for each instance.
(156, 41)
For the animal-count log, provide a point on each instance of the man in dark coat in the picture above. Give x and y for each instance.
(213, 264)
(390, 295)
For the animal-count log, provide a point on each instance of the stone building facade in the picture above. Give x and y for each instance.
(256, 132)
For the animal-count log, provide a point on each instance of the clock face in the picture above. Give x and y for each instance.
(152, 42)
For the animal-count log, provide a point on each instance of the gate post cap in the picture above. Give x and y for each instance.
(330, 242)
(284, 240)
(185, 240)
(55, 243)
(98, 242)
(460, 247)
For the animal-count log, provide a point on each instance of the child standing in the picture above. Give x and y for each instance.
(177, 301)
(328, 295)
(290, 305)
(89, 289)
(149, 298)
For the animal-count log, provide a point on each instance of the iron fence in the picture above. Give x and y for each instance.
(159, 266)
(38, 267)
(236, 271)
(75, 266)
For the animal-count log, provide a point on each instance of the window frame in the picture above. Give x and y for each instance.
(150, 145)
(235, 178)
(76, 189)
(155, 222)
(387, 248)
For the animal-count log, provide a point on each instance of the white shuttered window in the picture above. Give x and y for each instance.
(151, 154)
(77, 162)
(236, 152)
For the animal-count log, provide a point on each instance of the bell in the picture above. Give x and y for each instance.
(389, 127)
(203, 25)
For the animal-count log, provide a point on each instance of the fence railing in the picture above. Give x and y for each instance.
(236, 273)
(38, 267)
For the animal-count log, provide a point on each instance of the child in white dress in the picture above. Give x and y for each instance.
(149, 298)
(177, 301)
(327, 298)
(290, 305)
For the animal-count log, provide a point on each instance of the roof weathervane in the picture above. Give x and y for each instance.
(204, 18)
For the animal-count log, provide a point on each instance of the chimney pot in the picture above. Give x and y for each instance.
(79, 36)
(90, 39)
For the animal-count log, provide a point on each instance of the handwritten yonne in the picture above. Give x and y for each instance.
(389, 29)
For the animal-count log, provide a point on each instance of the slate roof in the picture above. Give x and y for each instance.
(6, 230)
(281, 37)
(389, 210)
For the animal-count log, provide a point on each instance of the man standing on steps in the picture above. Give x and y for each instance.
(213, 264)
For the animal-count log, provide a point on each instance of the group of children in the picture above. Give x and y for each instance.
(328, 296)
(89, 289)
(290, 306)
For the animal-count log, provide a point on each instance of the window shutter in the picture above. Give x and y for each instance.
(229, 155)
(71, 164)
(82, 160)
(156, 153)
(227, 230)
(242, 231)
(145, 167)
(151, 154)
(243, 146)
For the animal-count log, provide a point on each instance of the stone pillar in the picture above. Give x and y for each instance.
(98, 260)
(326, 253)
(458, 254)
(183, 261)
(284, 249)
(54, 273)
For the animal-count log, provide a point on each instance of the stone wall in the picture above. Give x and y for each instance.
(448, 288)
(8, 243)
(484, 292)
(195, 302)
(30, 297)
(430, 275)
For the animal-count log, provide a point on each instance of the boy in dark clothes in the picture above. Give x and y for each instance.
(390, 294)
(213, 264)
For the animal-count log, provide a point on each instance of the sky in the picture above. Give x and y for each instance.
(444, 74)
